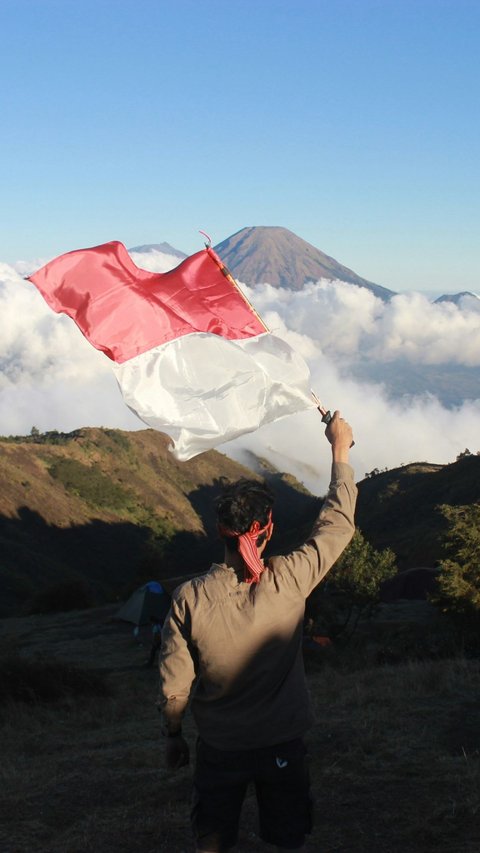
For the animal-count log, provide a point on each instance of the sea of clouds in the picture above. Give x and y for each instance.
(52, 378)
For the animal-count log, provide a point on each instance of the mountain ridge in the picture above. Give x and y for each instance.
(165, 248)
(399, 508)
(276, 255)
(457, 298)
(110, 509)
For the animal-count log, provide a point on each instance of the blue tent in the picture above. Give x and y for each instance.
(150, 601)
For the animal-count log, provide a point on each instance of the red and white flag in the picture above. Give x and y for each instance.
(190, 354)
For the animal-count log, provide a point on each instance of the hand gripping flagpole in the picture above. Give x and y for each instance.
(325, 413)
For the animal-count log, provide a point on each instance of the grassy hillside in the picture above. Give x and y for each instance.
(100, 511)
(399, 508)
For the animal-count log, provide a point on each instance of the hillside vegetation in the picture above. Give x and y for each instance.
(400, 509)
(99, 511)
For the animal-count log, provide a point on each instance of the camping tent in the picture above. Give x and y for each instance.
(150, 601)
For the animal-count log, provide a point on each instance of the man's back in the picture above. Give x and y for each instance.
(243, 641)
(247, 642)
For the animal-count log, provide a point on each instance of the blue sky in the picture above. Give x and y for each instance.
(354, 124)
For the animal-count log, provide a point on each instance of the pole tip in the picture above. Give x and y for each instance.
(208, 238)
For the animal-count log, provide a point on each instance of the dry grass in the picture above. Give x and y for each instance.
(395, 755)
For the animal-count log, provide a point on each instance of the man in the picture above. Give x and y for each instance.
(238, 631)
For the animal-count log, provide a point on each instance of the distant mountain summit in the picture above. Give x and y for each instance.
(275, 255)
(458, 297)
(165, 248)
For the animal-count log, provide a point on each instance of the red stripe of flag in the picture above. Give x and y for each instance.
(125, 311)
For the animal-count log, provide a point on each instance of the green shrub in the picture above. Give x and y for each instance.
(90, 484)
(352, 589)
(361, 570)
(36, 437)
(119, 438)
(459, 577)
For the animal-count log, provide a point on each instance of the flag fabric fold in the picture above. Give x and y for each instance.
(191, 356)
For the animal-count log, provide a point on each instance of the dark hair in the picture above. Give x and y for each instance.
(242, 503)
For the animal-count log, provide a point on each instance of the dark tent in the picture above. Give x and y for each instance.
(149, 602)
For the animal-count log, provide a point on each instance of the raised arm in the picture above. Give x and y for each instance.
(305, 567)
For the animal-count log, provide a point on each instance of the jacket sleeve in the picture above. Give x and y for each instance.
(176, 663)
(332, 531)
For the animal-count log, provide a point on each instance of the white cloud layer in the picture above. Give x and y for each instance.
(52, 378)
(348, 320)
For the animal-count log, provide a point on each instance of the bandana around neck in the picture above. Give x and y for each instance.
(247, 546)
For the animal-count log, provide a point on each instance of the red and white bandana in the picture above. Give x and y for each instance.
(247, 546)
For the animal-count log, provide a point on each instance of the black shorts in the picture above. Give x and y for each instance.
(281, 779)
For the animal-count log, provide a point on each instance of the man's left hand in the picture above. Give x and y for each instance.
(177, 753)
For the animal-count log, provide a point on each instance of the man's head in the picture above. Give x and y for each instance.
(240, 505)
